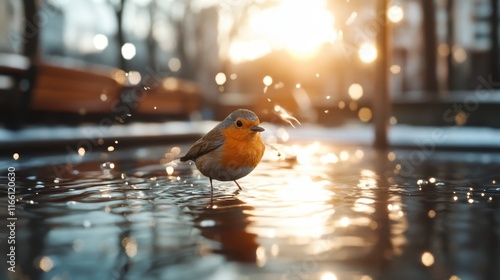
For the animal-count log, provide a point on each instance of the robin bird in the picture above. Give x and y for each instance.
(231, 150)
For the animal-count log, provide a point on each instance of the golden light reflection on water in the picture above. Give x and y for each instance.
(303, 211)
(130, 246)
(321, 212)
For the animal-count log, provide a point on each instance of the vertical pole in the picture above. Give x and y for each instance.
(430, 45)
(381, 98)
(31, 33)
(26, 85)
(450, 26)
(495, 71)
(120, 34)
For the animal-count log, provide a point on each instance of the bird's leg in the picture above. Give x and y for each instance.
(211, 193)
(238, 185)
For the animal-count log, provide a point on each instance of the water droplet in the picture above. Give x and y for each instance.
(107, 166)
(422, 182)
(284, 115)
(268, 80)
(207, 223)
(170, 170)
(87, 224)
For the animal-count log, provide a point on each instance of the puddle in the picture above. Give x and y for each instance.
(315, 212)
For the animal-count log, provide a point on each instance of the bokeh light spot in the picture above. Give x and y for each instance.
(395, 13)
(174, 64)
(427, 259)
(267, 80)
(367, 52)
(128, 51)
(355, 91)
(365, 114)
(220, 78)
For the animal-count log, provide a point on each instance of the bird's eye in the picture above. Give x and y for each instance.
(239, 124)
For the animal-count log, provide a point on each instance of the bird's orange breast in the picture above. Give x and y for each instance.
(242, 151)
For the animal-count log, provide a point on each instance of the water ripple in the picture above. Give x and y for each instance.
(295, 217)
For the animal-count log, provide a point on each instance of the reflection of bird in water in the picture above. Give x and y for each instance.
(226, 224)
(231, 150)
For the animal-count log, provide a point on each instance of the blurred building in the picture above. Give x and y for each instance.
(315, 55)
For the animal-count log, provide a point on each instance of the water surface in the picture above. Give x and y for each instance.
(316, 211)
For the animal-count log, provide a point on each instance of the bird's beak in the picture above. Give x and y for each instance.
(257, 128)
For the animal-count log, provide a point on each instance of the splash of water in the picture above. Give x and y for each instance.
(284, 115)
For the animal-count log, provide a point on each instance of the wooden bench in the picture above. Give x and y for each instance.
(74, 88)
(172, 97)
(67, 86)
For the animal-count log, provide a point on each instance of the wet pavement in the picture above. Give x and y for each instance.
(310, 210)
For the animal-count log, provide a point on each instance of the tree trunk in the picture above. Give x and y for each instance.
(494, 41)
(430, 45)
(450, 41)
(120, 35)
(31, 32)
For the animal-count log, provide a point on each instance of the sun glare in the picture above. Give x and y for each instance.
(299, 27)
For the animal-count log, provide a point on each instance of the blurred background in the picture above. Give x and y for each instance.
(334, 63)
(98, 98)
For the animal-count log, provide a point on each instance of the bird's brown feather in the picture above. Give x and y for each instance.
(211, 141)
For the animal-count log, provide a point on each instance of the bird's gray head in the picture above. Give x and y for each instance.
(239, 114)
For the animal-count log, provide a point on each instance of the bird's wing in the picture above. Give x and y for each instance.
(211, 141)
